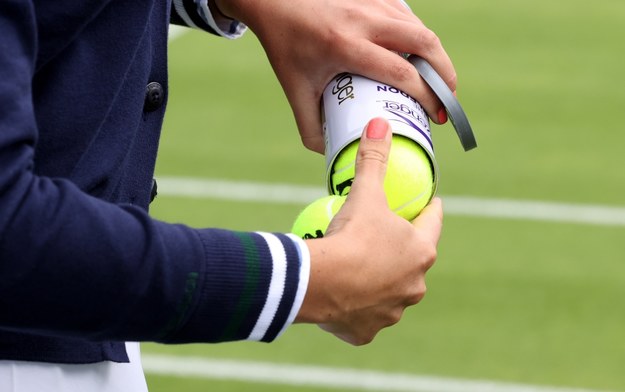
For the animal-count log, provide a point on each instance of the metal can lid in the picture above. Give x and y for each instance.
(454, 110)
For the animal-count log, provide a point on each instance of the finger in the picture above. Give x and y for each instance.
(378, 63)
(306, 108)
(430, 221)
(416, 38)
(372, 159)
(310, 132)
(399, 10)
(406, 33)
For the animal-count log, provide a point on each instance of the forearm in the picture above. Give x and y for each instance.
(231, 9)
(75, 265)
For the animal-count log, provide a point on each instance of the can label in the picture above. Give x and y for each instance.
(351, 101)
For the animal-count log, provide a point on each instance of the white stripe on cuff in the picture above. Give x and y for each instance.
(179, 6)
(276, 287)
(304, 275)
(223, 26)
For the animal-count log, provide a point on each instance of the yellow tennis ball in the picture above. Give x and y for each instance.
(313, 221)
(409, 181)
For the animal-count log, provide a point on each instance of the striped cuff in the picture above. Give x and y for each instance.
(251, 287)
(197, 14)
(287, 289)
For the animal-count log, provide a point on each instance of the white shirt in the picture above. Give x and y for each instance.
(21, 376)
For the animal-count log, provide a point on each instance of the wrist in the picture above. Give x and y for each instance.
(231, 9)
(217, 7)
(241, 10)
(321, 304)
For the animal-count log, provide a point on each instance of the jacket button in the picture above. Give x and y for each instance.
(154, 190)
(154, 96)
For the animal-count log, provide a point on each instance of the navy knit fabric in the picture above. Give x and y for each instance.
(83, 267)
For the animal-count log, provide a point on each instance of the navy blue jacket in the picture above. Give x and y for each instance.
(83, 267)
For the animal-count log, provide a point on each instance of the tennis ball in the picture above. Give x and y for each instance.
(313, 221)
(409, 181)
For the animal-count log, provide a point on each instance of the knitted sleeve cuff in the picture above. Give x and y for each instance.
(198, 15)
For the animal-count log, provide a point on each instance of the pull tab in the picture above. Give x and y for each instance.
(454, 110)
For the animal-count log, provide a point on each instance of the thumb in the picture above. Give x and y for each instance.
(430, 221)
(372, 158)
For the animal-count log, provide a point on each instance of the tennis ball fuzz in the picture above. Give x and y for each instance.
(313, 221)
(409, 181)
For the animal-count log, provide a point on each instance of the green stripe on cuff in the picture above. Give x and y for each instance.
(250, 287)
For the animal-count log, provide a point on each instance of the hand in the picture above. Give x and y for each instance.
(308, 42)
(371, 264)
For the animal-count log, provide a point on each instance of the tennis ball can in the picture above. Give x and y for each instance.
(349, 103)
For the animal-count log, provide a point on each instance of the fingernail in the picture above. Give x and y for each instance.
(377, 128)
(442, 116)
(455, 94)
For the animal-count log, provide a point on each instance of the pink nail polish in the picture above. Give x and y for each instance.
(442, 116)
(377, 128)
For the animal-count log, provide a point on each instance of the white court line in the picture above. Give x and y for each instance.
(453, 205)
(325, 377)
(177, 32)
(297, 375)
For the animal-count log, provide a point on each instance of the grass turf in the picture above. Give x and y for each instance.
(508, 300)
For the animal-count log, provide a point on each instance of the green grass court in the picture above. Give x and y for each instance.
(509, 300)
